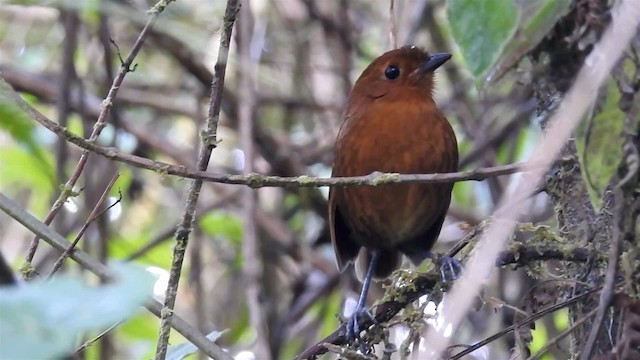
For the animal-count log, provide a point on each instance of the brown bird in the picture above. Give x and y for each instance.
(391, 124)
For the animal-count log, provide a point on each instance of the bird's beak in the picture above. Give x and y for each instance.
(434, 61)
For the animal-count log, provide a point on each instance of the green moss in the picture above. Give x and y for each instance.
(385, 179)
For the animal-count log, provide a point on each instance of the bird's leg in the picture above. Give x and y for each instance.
(447, 265)
(352, 326)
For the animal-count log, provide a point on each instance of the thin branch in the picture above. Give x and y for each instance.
(92, 217)
(57, 241)
(252, 260)
(522, 323)
(606, 296)
(554, 342)
(526, 254)
(209, 142)
(91, 341)
(170, 230)
(393, 35)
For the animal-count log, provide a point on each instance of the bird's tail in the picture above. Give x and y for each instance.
(389, 260)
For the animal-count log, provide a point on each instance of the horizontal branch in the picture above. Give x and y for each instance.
(526, 254)
(258, 181)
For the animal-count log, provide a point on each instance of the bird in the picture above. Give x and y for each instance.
(392, 125)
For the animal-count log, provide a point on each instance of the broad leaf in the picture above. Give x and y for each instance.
(599, 142)
(44, 319)
(481, 28)
(536, 20)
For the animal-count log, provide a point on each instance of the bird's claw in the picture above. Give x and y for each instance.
(353, 327)
(450, 268)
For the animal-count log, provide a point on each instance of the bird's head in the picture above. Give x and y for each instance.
(408, 68)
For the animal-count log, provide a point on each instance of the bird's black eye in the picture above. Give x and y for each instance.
(392, 72)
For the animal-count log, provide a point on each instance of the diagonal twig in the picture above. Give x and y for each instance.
(166, 233)
(606, 296)
(209, 142)
(252, 259)
(554, 342)
(530, 319)
(95, 213)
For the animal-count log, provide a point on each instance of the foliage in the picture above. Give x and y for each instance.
(39, 320)
(481, 29)
(304, 57)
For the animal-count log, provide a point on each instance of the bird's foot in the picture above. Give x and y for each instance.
(452, 265)
(353, 323)
(450, 268)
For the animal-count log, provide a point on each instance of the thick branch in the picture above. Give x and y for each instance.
(209, 141)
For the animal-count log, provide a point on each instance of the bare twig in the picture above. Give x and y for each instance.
(520, 324)
(209, 142)
(393, 35)
(258, 181)
(165, 234)
(606, 296)
(91, 341)
(554, 342)
(92, 217)
(251, 257)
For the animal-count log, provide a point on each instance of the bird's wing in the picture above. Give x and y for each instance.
(344, 247)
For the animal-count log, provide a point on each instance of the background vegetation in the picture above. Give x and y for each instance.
(258, 275)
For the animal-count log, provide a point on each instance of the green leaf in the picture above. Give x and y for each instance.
(599, 144)
(222, 224)
(540, 338)
(15, 122)
(178, 352)
(22, 130)
(18, 168)
(481, 28)
(43, 320)
(537, 19)
(142, 327)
